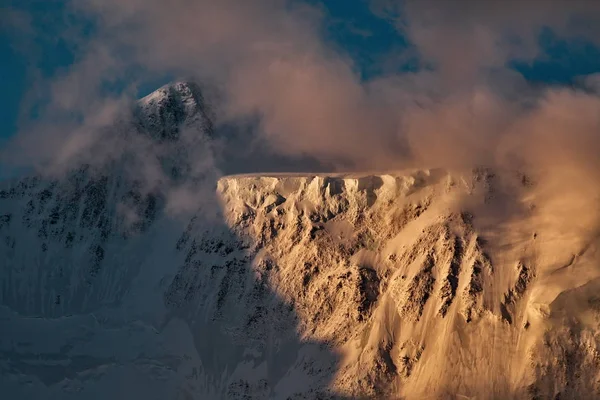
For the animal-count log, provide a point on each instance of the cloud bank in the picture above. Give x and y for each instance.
(270, 62)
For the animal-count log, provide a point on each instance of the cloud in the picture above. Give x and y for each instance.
(271, 64)
(463, 37)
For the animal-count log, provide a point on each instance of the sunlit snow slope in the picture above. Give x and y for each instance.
(416, 284)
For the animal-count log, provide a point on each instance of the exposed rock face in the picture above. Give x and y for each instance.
(173, 108)
(405, 285)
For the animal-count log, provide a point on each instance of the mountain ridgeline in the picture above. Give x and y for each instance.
(147, 275)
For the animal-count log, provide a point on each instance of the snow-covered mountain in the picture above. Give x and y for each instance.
(147, 276)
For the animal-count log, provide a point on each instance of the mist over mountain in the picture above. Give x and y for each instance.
(143, 269)
(121, 277)
(380, 199)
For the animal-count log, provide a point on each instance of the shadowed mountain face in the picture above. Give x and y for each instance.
(113, 285)
(148, 276)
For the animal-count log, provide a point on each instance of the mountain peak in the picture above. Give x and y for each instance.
(185, 89)
(165, 111)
